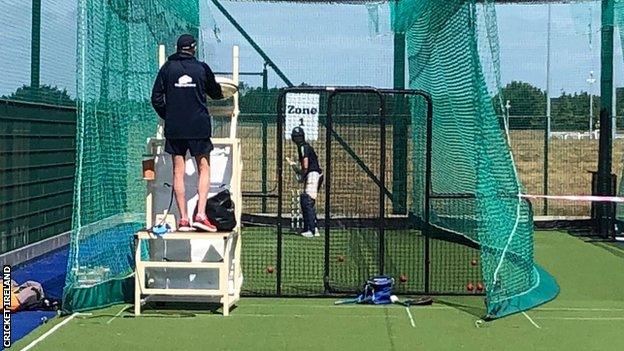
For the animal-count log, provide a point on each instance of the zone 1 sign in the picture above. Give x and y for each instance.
(302, 110)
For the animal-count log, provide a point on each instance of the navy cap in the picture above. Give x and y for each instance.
(186, 42)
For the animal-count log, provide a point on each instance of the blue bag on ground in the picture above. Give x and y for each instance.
(377, 291)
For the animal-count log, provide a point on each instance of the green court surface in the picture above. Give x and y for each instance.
(587, 315)
(354, 257)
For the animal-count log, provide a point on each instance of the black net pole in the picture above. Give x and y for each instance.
(605, 146)
(428, 191)
(382, 184)
(328, 173)
(280, 187)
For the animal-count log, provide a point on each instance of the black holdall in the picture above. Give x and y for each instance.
(220, 211)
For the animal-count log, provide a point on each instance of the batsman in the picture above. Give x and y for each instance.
(310, 174)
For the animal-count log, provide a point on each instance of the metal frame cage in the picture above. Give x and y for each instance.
(383, 237)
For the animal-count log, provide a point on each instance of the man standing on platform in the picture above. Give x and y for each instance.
(179, 97)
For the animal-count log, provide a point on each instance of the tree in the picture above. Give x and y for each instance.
(570, 112)
(42, 94)
(527, 105)
(524, 98)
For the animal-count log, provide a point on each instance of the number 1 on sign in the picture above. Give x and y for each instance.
(302, 110)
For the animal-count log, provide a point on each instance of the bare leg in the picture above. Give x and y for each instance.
(203, 186)
(179, 166)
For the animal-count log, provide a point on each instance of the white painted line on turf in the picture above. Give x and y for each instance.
(531, 320)
(49, 332)
(579, 309)
(346, 306)
(117, 315)
(266, 315)
(435, 307)
(582, 318)
(410, 317)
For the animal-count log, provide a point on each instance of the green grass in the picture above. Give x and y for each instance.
(588, 315)
(353, 258)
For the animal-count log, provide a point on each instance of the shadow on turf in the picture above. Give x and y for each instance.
(181, 309)
(473, 306)
(588, 236)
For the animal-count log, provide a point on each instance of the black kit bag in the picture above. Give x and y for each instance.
(220, 211)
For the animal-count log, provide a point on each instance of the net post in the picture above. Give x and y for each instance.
(235, 78)
(427, 204)
(382, 183)
(160, 131)
(328, 173)
(160, 135)
(35, 45)
(280, 187)
(605, 146)
(264, 160)
(548, 125)
(399, 132)
(265, 78)
(546, 166)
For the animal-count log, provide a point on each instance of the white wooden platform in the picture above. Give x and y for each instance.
(226, 265)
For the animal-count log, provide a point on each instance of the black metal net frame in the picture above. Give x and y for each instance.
(374, 227)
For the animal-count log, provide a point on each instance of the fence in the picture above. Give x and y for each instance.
(37, 166)
(37, 120)
(560, 164)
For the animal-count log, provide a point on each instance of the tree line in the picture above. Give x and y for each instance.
(569, 111)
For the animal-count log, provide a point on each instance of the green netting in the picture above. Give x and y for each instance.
(452, 50)
(453, 54)
(117, 62)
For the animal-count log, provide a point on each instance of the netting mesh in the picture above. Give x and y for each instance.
(117, 62)
(452, 54)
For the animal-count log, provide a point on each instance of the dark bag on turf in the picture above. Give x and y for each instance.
(220, 211)
(377, 290)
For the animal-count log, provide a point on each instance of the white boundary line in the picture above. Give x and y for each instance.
(579, 309)
(531, 320)
(346, 306)
(439, 307)
(263, 315)
(49, 332)
(410, 317)
(118, 314)
(582, 318)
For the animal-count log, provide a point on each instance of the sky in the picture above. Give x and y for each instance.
(326, 44)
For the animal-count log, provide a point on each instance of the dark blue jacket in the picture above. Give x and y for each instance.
(305, 150)
(179, 97)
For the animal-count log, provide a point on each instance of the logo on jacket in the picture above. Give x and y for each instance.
(185, 82)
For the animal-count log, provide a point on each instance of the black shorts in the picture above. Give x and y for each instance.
(197, 147)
